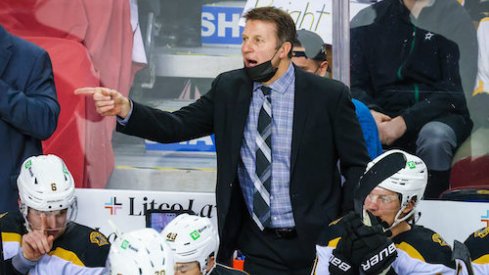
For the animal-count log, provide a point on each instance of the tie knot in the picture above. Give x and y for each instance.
(266, 90)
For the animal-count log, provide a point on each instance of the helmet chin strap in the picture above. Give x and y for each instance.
(398, 220)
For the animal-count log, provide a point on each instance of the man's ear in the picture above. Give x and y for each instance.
(409, 207)
(323, 68)
(286, 48)
(210, 263)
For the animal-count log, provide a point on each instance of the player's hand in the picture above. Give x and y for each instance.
(359, 245)
(108, 102)
(37, 242)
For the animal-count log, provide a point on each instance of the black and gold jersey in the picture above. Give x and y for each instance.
(478, 245)
(420, 251)
(79, 248)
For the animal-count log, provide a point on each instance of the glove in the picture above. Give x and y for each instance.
(340, 260)
(364, 248)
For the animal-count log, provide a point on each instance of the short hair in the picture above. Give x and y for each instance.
(284, 23)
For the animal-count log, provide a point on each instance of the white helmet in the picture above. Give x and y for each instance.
(192, 238)
(141, 252)
(410, 182)
(45, 184)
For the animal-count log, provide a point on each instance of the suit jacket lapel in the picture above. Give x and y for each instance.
(5, 52)
(301, 112)
(239, 113)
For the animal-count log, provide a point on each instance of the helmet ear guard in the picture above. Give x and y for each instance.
(192, 238)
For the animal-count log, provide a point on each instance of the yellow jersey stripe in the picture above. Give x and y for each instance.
(334, 242)
(482, 260)
(11, 237)
(411, 251)
(66, 255)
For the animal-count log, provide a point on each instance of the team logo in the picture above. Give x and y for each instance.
(438, 239)
(482, 233)
(428, 36)
(113, 206)
(98, 238)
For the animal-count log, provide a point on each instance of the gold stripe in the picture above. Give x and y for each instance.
(485, 19)
(479, 89)
(334, 242)
(11, 237)
(66, 255)
(482, 260)
(411, 251)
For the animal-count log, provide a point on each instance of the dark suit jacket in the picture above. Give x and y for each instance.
(325, 129)
(28, 109)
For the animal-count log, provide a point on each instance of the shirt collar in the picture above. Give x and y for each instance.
(280, 85)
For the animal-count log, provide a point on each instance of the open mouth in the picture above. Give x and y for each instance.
(250, 62)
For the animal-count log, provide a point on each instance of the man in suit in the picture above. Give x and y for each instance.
(274, 221)
(309, 53)
(28, 109)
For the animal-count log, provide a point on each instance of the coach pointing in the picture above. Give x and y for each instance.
(279, 134)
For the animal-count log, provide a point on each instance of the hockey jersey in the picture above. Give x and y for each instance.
(478, 245)
(80, 250)
(420, 251)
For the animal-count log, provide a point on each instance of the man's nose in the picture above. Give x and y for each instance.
(51, 221)
(245, 47)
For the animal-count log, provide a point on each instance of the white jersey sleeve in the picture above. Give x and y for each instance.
(323, 253)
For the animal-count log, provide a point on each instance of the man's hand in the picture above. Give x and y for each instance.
(37, 242)
(392, 130)
(379, 117)
(108, 102)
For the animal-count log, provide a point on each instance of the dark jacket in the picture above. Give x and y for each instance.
(399, 68)
(28, 109)
(325, 130)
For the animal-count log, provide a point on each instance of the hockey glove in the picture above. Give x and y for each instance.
(363, 248)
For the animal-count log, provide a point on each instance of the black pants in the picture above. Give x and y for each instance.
(268, 254)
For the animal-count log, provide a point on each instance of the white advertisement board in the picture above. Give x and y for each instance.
(313, 15)
(125, 208)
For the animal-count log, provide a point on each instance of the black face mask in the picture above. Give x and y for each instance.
(262, 72)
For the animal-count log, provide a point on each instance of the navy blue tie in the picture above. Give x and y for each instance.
(263, 180)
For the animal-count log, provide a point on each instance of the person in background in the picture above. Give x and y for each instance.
(195, 242)
(310, 54)
(143, 252)
(41, 237)
(29, 109)
(279, 138)
(347, 242)
(406, 66)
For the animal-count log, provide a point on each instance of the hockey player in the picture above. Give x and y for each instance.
(140, 252)
(478, 245)
(194, 242)
(41, 238)
(419, 250)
